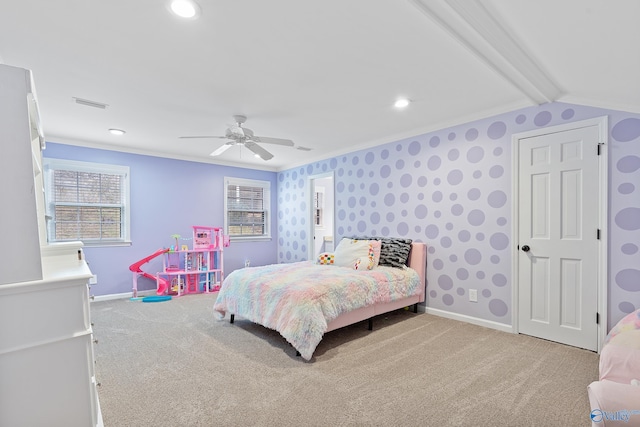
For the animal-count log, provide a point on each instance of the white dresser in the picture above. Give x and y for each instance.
(47, 373)
(46, 356)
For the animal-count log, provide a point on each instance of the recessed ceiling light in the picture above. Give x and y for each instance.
(117, 132)
(402, 103)
(187, 9)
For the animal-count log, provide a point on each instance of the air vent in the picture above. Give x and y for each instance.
(303, 148)
(90, 103)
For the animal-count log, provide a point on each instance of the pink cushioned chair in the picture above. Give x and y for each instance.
(615, 399)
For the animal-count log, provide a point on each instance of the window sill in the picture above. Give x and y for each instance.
(90, 244)
(250, 239)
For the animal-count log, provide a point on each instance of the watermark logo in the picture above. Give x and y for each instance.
(598, 415)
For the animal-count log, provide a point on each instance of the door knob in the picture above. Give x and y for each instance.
(526, 248)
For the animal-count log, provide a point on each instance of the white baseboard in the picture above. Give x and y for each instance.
(100, 422)
(469, 319)
(421, 308)
(125, 295)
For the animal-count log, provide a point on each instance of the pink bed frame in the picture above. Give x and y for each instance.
(417, 261)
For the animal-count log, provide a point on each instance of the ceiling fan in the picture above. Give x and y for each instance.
(239, 135)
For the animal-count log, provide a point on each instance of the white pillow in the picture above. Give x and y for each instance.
(356, 254)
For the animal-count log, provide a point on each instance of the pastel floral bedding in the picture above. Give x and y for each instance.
(300, 299)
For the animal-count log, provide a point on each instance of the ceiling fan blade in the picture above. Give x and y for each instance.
(277, 141)
(223, 148)
(264, 154)
(195, 137)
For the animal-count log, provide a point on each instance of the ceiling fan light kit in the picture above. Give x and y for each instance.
(239, 135)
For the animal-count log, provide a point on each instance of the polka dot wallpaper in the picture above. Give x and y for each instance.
(452, 190)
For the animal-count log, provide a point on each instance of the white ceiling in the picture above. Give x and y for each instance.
(324, 74)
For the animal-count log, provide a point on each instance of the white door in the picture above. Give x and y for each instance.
(558, 256)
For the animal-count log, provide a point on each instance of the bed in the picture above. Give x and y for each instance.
(304, 300)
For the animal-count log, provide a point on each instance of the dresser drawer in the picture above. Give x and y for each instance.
(32, 315)
(49, 385)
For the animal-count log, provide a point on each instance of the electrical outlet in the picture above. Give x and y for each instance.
(247, 263)
(93, 279)
(473, 295)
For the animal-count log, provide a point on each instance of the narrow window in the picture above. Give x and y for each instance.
(318, 203)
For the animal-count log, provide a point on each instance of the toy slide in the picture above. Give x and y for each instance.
(163, 284)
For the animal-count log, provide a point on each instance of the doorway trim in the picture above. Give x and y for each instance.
(310, 219)
(603, 219)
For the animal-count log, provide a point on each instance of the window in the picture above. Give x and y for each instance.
(318, 204)
(87, 202)
(247, 208)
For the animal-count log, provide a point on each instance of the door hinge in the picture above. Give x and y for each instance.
(597, 318)
(600, 144)
(598, 234)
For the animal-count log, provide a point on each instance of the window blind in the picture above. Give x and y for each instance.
(86, 205)
(246, 213)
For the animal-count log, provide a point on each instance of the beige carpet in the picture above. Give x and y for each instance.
(172, 364)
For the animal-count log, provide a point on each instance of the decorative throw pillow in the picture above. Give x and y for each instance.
(394, 251)
(326, 258)
(356, 254)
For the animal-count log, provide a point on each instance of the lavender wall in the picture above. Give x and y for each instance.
(167, 197)
(452, 189)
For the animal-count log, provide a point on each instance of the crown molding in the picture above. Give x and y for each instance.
(153, 153)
